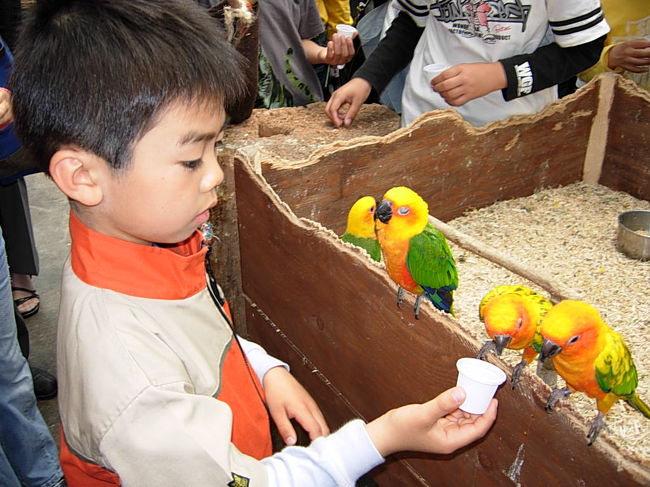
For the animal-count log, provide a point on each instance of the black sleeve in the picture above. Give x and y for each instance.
(392, 54)
(547, 66)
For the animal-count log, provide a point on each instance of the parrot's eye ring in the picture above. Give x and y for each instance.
(403, 210)
(371, 210)
(573, 339)
(519, 323)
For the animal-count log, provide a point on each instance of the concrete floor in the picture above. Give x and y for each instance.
(49, 209)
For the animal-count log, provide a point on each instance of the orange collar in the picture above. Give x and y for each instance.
(138, 270)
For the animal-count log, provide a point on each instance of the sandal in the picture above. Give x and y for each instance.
(32, 295)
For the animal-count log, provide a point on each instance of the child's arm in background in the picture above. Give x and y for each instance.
(339, 50)
(393, 53)
(546, 66)
(633, 56)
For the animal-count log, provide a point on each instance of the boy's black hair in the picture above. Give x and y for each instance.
(96, 74)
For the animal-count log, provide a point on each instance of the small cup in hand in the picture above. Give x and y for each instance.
(480, 381)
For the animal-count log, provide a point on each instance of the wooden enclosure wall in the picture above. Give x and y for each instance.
(627, 157)
(453, 165)
(331, 314)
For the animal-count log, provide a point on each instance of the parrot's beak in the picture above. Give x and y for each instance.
(549, 349)
(384, 211)
(501, 342)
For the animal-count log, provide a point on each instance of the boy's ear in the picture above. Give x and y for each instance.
(77, 173)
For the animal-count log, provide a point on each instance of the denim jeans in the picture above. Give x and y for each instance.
(28, 454)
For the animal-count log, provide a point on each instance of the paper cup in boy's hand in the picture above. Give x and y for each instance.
(347, 31)
(480, 381)
(433, 70)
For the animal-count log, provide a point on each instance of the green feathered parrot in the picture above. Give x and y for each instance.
(591, 358)
(360, 229)
(416, 254)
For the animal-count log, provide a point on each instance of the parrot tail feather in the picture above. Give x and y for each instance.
(442, 298)
(637, 403)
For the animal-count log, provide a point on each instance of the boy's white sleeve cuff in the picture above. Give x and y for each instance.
(355, 450)
(337, 460)
(260, 361)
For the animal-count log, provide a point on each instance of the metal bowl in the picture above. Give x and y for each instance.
(633, 237)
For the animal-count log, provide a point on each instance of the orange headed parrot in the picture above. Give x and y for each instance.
(360, 230)
(416, 254)
(512, 316)
(591, 358)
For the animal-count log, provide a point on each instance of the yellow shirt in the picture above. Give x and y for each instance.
(628, 19)
(334, 12)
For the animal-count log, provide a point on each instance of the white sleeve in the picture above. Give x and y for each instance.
(576, 22)
(261, 361)
(417, 9)
(335, 460)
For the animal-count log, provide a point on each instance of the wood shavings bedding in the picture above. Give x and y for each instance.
(569, 233)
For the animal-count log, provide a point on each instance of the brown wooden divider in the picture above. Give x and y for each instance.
(331, 314)
(627, 158)
(451, 164)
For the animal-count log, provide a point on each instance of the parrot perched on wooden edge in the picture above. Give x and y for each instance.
(591, 358)
(416, 254)
(360, 229)
(512, 316)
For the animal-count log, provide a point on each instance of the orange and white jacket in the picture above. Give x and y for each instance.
(154, 389)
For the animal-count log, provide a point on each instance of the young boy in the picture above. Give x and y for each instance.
(123, 102)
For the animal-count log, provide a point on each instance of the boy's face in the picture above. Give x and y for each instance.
(169, 188)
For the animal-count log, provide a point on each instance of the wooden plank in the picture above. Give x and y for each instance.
(599, 128)
(337, 308)
(627, 159)
(225, 251)
(454, 166)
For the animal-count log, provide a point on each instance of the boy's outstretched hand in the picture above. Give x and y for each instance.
(437, 426)
(287, 400)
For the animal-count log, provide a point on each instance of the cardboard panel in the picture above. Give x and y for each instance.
(337, 310)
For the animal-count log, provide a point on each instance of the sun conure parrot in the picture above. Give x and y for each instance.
(591, 358)
(416, 254)
(512, 316)
(360, 229)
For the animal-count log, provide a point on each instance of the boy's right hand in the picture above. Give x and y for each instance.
(354, 92)
(437, 426)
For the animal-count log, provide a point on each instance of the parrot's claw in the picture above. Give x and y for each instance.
(516, 373)
(594, 429)
(555, 396)
(400, 296)
(416, 308)
(488, 346)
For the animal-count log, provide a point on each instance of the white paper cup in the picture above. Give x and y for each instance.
(347, 31)
(433, 70)
(480, 380)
